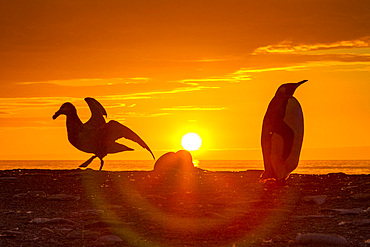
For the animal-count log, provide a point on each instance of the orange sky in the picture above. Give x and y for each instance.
(164, 68)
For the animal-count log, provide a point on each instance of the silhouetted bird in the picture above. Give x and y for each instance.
(96, 136)
(282, 133)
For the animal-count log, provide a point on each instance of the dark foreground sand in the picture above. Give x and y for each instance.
(86, 207)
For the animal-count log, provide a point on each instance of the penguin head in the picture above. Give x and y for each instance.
(288, 89)
(66, 109)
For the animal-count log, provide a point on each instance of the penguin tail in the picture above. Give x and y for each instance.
(87, 162)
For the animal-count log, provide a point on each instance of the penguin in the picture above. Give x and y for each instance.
(96, 136)
(282, 134)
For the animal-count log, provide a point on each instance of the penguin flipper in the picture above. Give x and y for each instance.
(116, 130)
(266, 152)
(116, 147)
(97, 113)
(277, 144)
(288, 136)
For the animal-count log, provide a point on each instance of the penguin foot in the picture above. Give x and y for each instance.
(281, 182)
(101, 164)
(272, 183)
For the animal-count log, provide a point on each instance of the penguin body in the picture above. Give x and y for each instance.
(282, 133)
(96, 136)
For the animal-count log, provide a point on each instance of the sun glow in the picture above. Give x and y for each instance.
(191, 141)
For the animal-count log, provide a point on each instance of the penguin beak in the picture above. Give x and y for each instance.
(300, 83)
(56, 115)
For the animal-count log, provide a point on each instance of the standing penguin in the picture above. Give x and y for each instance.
(282, 134)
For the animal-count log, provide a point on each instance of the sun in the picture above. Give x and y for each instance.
(191, 141)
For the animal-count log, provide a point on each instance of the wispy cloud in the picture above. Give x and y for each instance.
(289, 47)
(341, 65)
(13, 105)
(146, 95)
(194, 108)
(92, 81)
(332, 63)
(231, 78)
(244, 71)
(123, 116)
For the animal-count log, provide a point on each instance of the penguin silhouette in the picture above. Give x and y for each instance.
(96, 136)
(282, 134)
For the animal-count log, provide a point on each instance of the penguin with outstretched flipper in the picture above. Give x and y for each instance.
(282, 134)
(96, 136)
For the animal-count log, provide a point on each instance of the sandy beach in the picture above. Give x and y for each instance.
(92, 208)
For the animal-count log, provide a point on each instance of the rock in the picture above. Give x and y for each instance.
(267, 241)
(4, 212)
(52, 221)
(173, 163)
(61, 221)
(108, 240)
(31, 194)
(40, 194)
(367, 211)
(214, 215)
(46, 231)
(83, 234)
(361, 222)
(39, 220)
(88, 213)
(93, 211)
(349, 187)
(20, 195)
(63, 197)
(315, 216)
(91, 235)
(12, 233)
(65, 231)
(352, 211)
(361, 197)
(106, 224)
(8, 178)
(319, 199)
(318, 239)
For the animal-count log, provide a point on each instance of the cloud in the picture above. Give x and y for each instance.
(194, 108)
(231, 77)
(122, 116)
(244, 71)
(146, 95)
(289, 47)
(92, 82)
(346, 65)
(333, 63)
(33, 102)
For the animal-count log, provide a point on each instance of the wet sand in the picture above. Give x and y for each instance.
(137, 208)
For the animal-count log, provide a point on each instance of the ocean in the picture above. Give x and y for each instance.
(349, 167)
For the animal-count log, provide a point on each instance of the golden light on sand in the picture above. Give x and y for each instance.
(191, 141)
